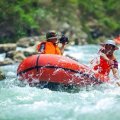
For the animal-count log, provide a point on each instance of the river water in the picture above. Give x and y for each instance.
(30, 103)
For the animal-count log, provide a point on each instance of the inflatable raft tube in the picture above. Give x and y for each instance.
(56, 69)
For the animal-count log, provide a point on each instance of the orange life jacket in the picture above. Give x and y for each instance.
(103, 67)
(50, 48)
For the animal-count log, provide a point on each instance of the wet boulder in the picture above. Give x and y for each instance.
(10, 54)
(29, 51)
(4, 48)
(17, 56)
(2, 75)
(6, 61)
(27, 41)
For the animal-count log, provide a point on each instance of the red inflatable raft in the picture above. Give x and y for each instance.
(56, 69)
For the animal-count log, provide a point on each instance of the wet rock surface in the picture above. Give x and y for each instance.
(7, 47)
(27, 47)
(2, 75)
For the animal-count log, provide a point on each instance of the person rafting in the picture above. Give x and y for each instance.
(50, 46)
(107, 60)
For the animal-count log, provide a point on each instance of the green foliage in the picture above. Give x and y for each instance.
(29, 17)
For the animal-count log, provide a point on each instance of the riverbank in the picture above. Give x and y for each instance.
(24, 47)
(16, 52)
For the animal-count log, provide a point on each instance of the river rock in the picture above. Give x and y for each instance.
(19, 56)
(29, 51)
(7, 61)
(10, 54)
(7, 47)
(2, 75)
(27, 41)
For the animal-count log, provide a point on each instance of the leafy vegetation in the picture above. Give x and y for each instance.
(20, 18)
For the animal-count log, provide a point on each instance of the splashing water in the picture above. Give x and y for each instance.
(30, 103)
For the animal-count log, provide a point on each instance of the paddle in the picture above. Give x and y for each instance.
(72, 58)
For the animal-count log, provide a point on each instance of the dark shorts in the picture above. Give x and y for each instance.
(115, 64)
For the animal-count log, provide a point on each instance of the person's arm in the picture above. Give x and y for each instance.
(115, 73)
(116, 76)
(62, 48)
(106, 58)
